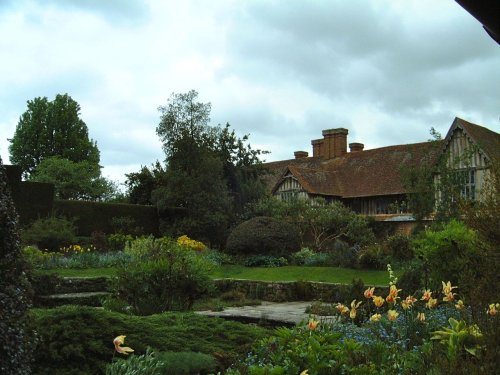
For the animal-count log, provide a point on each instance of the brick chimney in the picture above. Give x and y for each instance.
(317, 147)
(356, 147)
(334, 143)
(300, 154)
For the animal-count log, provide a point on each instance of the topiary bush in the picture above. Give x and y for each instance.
(263, 235)
(50, 233)
(400, 247)
(16, 340)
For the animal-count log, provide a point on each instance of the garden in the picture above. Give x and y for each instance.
(425, 304)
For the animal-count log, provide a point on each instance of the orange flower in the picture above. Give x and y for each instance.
(312, 324)
(427, 295)
(408, 302)
(449, 297)
(369, 292)
(375, 317)
(354, 307)
(390, 299)
(118, 341)
(493, 309)
(378, 301)
(392, 315)
(393, 291)
(432, 302)
(421, 316)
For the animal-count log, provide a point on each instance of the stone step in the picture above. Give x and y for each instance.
(82, 299)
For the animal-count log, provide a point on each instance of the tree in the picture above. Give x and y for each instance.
(210, 171)
(140, 185)
(74, 180)
(51, 128)
(16, 342)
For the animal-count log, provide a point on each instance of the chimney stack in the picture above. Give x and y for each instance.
(317, 147)
(356, 147)
(334, 143)
(300, 154)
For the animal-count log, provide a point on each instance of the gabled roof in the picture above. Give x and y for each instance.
(487, 140)
(356, 174)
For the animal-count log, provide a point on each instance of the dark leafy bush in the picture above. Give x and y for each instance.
(265, 261)
(118, 241)
(400, 247)
(99, 240)
(372, 257)
(413, 276)
(171, 280)
(16, 340)
(78, 340)
(344, 255)
(158, 363)
(263, 235)
(50, 233)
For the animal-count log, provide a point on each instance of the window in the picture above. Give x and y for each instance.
(468, 184)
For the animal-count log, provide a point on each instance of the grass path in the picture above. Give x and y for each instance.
(288, 273)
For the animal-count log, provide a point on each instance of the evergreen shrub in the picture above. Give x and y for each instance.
(51, 233)
(263, 235)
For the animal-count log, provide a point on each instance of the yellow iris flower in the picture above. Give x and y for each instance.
(118, 341)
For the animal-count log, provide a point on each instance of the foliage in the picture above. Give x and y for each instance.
(140, 185)
(51, 128)
(50, 233)
(148, 247)
(158, 363)
(373, 257)
(16, 340)
(344, 255)
(217, 257)
(210, 171)
(320, 224)
(74, 180)
(265, 261)
(172, 279)
(448, 253)
(77, 340)
(263, 235)
(118, 241)
(399, 246)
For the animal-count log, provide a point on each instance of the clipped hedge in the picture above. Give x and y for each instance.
(98, 216)
(34, 200)
(263, 235)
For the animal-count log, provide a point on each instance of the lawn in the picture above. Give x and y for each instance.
(287, 273)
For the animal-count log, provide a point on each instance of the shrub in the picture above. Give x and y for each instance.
(265, 261)
(50, 233)
(217, 257)
(263, 235)
(344, 255)
(190, 243)
(400, 247)
(158, 363)
(372, 257)
(99, 240)
(300, 257)
(148, 247)
(118, 241)
(78, 340)
(16, 339)
(171, 280)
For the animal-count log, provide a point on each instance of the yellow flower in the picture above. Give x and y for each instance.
(343, 309)
(118, 341)
(312, 324)
(493, 309)
(375, 317)
(378, 301)
(392, 315)
(393, 294)
(304, 372)
(460, 305)
(449, 297)
(354, 307)
(427, 295)
(408, 302)
(447, 288)
(432, 302)
(369, 292)
(421, 316)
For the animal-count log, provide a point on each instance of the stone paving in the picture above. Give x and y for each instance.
(289, 313)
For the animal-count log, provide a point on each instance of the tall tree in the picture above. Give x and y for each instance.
(16, 341)
(210, 171)
(51, 128)
(140, 185)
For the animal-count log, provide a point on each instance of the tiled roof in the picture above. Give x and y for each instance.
(373, 172)
(357, 174)
(487, 140)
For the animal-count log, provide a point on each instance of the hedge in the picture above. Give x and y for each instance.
(97, 216)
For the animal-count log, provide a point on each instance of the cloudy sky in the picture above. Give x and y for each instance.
(281, 71)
